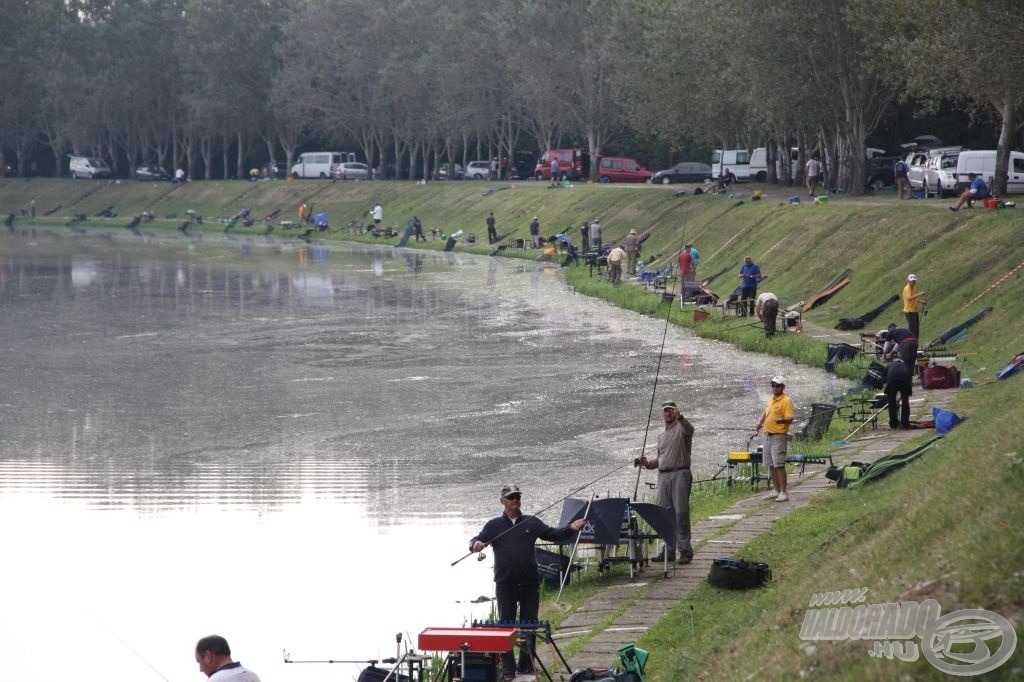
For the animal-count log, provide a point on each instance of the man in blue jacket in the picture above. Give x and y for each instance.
(516, 582)
(751, 275)
(976, 192)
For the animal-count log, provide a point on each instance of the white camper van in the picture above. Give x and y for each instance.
(983, 162)
(88, 167)
(320, 164)
(745, 165)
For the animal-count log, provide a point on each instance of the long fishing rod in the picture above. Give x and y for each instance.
(538, 513)
(657, 375)
(654, 392)
(126, 644)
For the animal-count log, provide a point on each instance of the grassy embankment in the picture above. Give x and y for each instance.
(947, 527)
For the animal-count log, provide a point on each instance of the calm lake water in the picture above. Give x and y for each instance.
(289, 446)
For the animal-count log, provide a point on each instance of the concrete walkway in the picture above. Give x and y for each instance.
(622, 611)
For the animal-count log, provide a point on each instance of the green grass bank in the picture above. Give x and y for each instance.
(947, 527)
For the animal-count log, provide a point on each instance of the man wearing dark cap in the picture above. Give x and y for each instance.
(214, 658)
(672, 460)
(516, 582)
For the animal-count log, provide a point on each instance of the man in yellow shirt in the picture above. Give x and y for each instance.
(776, 419)
(912, 302)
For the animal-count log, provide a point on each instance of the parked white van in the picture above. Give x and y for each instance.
(88, 167)
(320, 164)
(745, 165)
(983, 162)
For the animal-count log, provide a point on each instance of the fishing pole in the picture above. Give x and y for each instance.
(657, 374)
(536, 514)
(654, 392)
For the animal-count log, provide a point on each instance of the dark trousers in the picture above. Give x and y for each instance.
(770, 315)
(908, 353)
(492, 235)
(518, 601)
(750, 294)
(898, 393)
(914, 323)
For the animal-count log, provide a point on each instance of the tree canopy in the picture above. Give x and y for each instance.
(217, 86)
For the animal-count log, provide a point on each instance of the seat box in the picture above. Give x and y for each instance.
(935, 376)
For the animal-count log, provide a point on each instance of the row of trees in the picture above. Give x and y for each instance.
(219, 85)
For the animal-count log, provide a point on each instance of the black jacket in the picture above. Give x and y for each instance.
(514, 559)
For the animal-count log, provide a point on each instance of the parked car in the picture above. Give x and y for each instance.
(88, 167)
(573, 164)
(444, 172)
(10, 172)
(881, 172)
(352, 170)
(745, 166)
(687, 171)
(940, 174)
(151, 172)
(319, 164)
(622, 169)
(917, 164)
(478, 170)
(983, 162)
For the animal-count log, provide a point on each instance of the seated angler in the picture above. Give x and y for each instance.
(977, 191)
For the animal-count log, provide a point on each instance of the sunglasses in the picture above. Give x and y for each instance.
(513, 497)
(777, 385)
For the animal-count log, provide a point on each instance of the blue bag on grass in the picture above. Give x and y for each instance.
(945, 420)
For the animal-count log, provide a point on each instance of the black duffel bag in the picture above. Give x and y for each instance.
(737, 574)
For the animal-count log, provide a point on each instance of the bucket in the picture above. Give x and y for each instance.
(794, 200)
(700, 316)
(990, 202)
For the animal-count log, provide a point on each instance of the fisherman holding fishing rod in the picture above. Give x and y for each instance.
(672, 460)
(516, 581)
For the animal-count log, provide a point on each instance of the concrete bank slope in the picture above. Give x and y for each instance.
(622, 611)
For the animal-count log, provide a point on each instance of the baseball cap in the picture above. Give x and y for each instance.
(670, 403)
(911, 278)
(510, 491)
(777, 380)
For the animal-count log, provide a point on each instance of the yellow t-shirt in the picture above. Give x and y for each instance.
(910, 305)
(779, 407)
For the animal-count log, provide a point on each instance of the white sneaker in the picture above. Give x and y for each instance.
(782, 497)
(772, 496)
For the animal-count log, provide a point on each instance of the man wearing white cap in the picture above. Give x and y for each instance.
(912, 302)
(776, 419)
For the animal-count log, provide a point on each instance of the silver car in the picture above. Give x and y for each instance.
(940, 175)
(916, 163)
(351, 170)
(478, 170)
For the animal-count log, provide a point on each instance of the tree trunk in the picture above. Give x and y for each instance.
(1007, 126)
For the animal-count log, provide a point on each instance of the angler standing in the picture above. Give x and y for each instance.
(776, 419)
(672, 460)
(516, 583)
